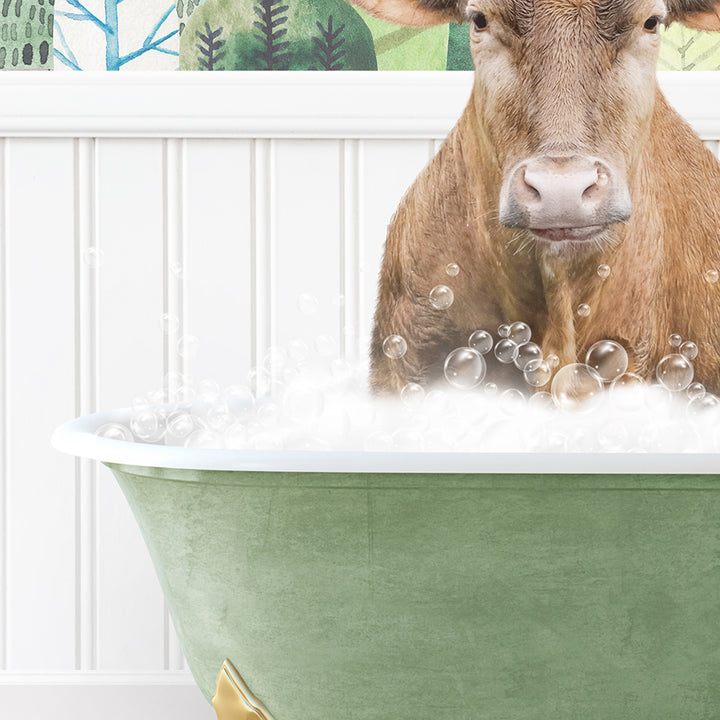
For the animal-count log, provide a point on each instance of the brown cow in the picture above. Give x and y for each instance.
(567, 156)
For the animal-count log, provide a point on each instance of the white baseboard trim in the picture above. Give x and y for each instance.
(89, 696)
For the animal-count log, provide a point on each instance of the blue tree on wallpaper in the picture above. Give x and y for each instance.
(109, 28)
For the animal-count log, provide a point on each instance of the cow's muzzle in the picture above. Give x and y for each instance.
(563, 198)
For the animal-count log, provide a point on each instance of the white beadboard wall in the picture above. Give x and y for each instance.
(260, 187)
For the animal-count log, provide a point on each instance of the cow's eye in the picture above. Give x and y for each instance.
(479, 21)
(651, 24)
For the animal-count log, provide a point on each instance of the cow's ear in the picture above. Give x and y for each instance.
(414, 13)
(695, 14)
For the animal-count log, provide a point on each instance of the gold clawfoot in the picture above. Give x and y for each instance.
(233, 700)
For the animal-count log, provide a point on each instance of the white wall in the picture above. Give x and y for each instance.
(260, 188)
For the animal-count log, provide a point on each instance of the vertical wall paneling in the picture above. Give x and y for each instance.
(714, 147)
(3, 410)
(87, 260)
(350, 248)
(40, 394)
(306, 260)
(263, 230)
(218, 266)
(389, 168)
(173, 272)
(131, 342)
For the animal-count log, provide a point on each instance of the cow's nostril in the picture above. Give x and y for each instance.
(530, 189)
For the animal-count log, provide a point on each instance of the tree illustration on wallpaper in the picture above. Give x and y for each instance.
(26, 34)
(209, 45)
(110, 32)
(279, 35)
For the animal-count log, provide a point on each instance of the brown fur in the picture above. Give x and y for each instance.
(658, 259)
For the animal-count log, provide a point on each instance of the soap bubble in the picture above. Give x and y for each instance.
(674, 372)
(441, 297)
(627, 382)
(219, 417)
(268, 414)
(146, 425)
(520, 333)
(452, 269)
(93, 257)
(275, 359)
(298, 350)
(603, 271)
(208, 390)
(506, 351)
(608, 358)
(378, 441)
(482, 341)
(512, 401)
(711, 276)
(703, 403)
(527, 352)
(695, 390)
(504, 330)
(115, 431)
(436, 401)
(188, 346)
(303, 403)
(169, 323)
(576, 387)
(326, 345)
(490, 388)
(177, 270)
(689, 349)
(464, 368)
(583, 310)
(675, 340)
(307, 304)
(235, 437)
(204, 439)
(537, 373)
(394, 346)
(552, 360)
(541, 401)
(180, 424)
(412, 395)
(657, 397)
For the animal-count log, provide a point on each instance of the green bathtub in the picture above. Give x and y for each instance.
(353, 586)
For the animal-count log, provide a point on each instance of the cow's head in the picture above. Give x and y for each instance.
(564, 92)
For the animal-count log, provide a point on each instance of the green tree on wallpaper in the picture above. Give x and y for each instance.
(684, 49)
(281, 35)
(26, 32)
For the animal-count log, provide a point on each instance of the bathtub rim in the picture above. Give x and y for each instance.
(77, 437)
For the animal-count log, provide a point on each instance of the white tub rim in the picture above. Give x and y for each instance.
(77, 437)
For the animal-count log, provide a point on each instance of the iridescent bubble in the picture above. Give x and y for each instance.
(674, 372)
(689, 349)
(537, 373)
(114, 431)
(307, 304)
(441, 297)
(504, 330)
(146, 425)
(506, 351)
(188, 346)
(583, 310)
(711, 276)
(603, 271)
(490, 389)
(482, 341)
(520, 333)
(527, 352)
(93, 257)
(576, 387)
(240, 400)
(169, 323)
(412, 395)
(675, 340)
(464, 368)
(180, 424)
(552, 360)
(695, 390)
(452, 269)
(627, 381)
(608, 358)
(394, 346)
